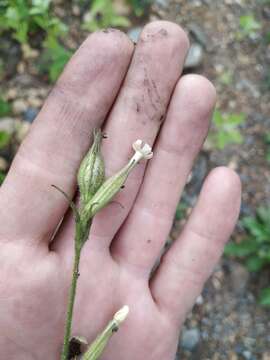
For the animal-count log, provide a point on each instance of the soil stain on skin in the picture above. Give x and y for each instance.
(154, 97)
(162, 33)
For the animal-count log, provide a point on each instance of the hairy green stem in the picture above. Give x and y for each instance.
(71, 299)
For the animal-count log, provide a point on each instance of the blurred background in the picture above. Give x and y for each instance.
(230, 44)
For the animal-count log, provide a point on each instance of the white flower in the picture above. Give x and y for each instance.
(142, 151)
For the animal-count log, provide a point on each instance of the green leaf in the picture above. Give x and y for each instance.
(234, 137)
(254, 263)
(180, 211)
(226, 129)
(226, 78)
(5, 108)
(121, 21)
(102, 15)
(236, 119)
(267, 138)
(218, 118)
(248, 24)
(268, 156)
(259, 230)
(2, 177)
(242, 249)
(54, 57)
(4, 139)
(263, 215)
(264, 298)
(140, 6)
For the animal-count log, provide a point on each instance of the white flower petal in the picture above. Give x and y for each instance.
(144, 150)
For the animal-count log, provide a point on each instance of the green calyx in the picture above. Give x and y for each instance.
(91, 173)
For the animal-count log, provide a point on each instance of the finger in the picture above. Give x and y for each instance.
(142, 237)
(138, 113)
(29, 207)
(191, 259)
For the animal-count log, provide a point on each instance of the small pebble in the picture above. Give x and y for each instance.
(199, 300)
(194, 57)
(11, 94)
(22, 130)
(21, 67)
(7, 124)
(162, 3)
(190, 339)
(3, 164)
(34, 102)
(134, 34)
(247, 355)
(76, 10)
(30, 114)
(19, 106)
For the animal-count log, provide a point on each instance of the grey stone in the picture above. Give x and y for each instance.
(247, 355)
(19, 106)
(162, 3)
(239, 278)
(30, 114)
(134, 33)
(199, 34)
(194, 57)
(7, 124)
(190, 339)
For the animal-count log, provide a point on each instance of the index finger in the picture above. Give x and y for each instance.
(60, 136)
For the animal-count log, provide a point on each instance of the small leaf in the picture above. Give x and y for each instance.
(254, 263)
(4, 139)
(267, 138)
(242, 249)
(180, 211)
(248, 24)
(236, 119)
(5, 108)
(2, 177)
(264, 298)
(218, 118)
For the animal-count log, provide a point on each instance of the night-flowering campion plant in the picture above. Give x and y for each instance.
(95, 192)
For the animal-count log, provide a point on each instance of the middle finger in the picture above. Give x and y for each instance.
(138, 113)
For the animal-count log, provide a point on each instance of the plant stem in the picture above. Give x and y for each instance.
(71, 298)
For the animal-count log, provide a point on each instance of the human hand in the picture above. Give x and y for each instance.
(127, 91)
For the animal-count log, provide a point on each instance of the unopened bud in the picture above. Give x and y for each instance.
(121, 315)
(91, 173)
(96, 349)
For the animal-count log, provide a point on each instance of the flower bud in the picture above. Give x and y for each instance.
(96, 349)
(121, 315)
(91, 173)
(112, 185)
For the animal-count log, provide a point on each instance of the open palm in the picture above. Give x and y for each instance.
(131, 92)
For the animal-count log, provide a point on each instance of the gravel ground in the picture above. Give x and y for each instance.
(227, 322)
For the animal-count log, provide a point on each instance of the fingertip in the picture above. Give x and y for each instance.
(199, 91)
(113, 40)
(167, 40)
(219, 201)
(166, 30)
(225, 180)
